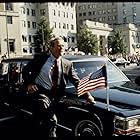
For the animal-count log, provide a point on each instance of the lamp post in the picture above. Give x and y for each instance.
(7, 36)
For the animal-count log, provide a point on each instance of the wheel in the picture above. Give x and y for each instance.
(87, 128)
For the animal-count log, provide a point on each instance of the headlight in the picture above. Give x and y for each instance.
(126, 126)
(133, 123)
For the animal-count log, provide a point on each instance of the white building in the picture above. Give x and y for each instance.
(22, 24)
(28, 16)
(131, 36)
(102, 31)
(10, 43)
(62, 17)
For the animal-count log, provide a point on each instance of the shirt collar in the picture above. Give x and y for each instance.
(53, 58)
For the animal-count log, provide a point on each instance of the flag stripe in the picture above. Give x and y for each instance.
(94, 80)
(92, 86)
(81, 85)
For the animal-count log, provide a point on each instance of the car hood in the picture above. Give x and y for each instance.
(121, 100)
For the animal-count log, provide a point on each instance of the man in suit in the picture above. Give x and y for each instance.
(38, 81)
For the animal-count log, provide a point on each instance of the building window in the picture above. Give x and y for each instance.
(63, 3)
(9, 20)
(89, 13)
(133, 9)
(84, 14)
(113, 17)
(59, 13)
(94, 12)
(100, 12)
(28, 23)
(114, 10)
(28, 12)
(59, 25)
(65, 39)
(67, 15)
(72, 39)
(124, 11)
(67, 26)
(72, 27)
(22, 10)
(123, 4)
(80, 14)
(12, 45)
(42, 12)
(24, 39)
(34, 25)
(30, 38)
(33, 12)
(109, 11)
(64, 14)
(54, 24)
(9, 6)
(23, 23)
(89, 6)
(72, 4)
(79, 7)
(124, 20)
(64, 26)
(54, 13)
(72, 16)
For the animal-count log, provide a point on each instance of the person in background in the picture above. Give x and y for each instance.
(39, 83)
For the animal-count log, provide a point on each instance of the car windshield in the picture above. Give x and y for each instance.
(114, 75)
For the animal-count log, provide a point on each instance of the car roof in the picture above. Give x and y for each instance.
(15, 59)
(69, 57)
(85, 57)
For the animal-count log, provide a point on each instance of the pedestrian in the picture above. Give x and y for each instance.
(45, 86)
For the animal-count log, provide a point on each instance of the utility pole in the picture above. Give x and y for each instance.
(7, 36)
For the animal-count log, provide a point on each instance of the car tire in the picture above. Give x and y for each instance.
(87, 128)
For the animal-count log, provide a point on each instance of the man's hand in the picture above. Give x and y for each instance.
(31, 88)
(90, 100)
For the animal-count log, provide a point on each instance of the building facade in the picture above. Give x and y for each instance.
(10, 43)
(108, 12)
(17, 32)
(102, 31)
(62, 18)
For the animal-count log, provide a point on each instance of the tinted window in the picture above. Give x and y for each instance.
(114, 75)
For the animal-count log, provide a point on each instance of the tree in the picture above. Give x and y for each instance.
(43, 36)
(117, 44)
(86, 41)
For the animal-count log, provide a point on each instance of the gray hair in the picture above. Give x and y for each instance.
(54, 39)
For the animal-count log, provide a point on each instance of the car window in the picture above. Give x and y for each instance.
(114, 74)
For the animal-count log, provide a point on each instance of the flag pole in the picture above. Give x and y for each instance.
(107, 98)
(107, 91)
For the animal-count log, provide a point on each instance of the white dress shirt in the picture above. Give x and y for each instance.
(44, 78)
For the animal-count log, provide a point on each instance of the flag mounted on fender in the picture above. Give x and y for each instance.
(93, 81)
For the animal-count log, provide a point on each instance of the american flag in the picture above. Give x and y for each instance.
(93, 81)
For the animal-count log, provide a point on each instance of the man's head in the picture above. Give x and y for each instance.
(57, 46)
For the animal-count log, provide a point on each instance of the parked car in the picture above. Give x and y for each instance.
(138, 62)
(120, 61)
(116, 112)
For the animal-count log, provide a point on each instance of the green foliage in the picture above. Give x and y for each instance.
(42, 36)
(87, 42)
(117, 44)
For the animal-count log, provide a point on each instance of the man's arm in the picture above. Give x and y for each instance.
(75, 80)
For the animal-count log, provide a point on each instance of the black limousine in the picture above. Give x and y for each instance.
(116, 112)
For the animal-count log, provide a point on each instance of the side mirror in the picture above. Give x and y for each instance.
(137, 80)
